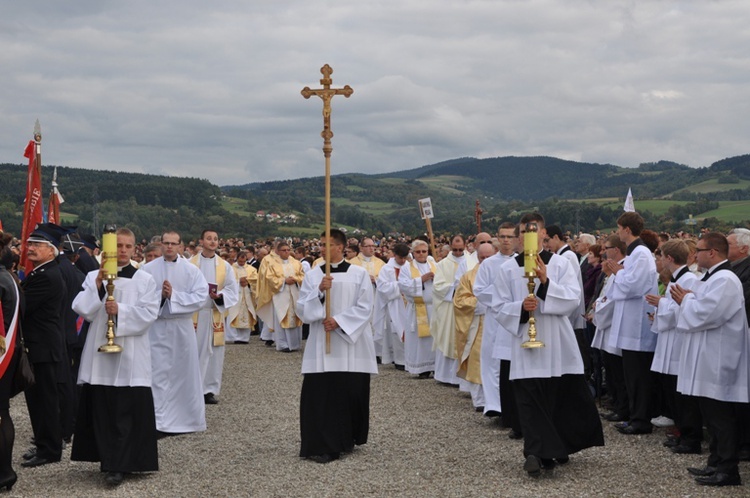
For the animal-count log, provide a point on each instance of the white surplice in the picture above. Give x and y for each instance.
(389, 317)
(669, 341)
(352, 346)
(137, 308)
(176, 378)
(715, 343)
(561, 354)
(210, 357)
(496, 343)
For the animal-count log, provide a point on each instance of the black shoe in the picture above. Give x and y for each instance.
(285, 350)
(686, 449)
(31, 453)
(614, 417)
(36, 462)
(240, 342)
(562, 460)
(720, 479)
(705, 471)
(479, 409)
(744, 455)
(514, 434)
(399, 367)
(378, 360)
(424, 375)
(210, 399)
(631, 430)
(114, 478)
(533, 466)
(325, 458)
(8, 482)
(492, 413)
(671, 442)
(621, 425)
(548, 463)
(269, 343)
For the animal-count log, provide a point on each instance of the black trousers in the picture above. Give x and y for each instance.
(508, 398)
(43, 403)
(616, 383)
(639, 382)
(689, 420)
(723, 427)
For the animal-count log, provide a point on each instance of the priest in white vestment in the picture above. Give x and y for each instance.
(442, 322)
(116, 420)
(176, 378)
(496, 343)
(469, 317)
(415, 282)
(335, 399)
(241, 318)
(278, 290)
(210, 319)
(389, 317)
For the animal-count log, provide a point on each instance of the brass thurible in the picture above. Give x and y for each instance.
(530, 251)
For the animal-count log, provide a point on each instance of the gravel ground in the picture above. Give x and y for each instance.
(425, 440)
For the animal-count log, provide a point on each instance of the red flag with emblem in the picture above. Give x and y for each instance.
(33, 204)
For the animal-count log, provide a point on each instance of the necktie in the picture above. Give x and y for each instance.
(705, 277)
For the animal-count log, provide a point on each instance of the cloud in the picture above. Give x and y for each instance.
(213, 91)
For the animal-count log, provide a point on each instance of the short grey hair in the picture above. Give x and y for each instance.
(742, 235)
(587, 238)
(418, 243)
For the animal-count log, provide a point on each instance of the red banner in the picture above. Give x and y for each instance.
(32, 208)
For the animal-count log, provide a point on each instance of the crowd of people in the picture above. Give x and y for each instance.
(654, 326)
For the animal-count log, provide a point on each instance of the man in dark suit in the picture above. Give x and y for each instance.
(86, 261)
(42, 325)
(739, 257)
(255, 263)
(251, 257)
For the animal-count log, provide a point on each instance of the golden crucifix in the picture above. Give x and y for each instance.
(327, 93)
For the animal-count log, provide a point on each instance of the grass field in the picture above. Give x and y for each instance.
(236, 205)
(370, 207)
(714, 186)
(730, 211)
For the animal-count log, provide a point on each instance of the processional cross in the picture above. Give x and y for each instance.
(327, 93)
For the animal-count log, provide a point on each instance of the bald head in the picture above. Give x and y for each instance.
(482, 237)
(485, 251)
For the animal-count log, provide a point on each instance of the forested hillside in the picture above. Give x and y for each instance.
(575, 195)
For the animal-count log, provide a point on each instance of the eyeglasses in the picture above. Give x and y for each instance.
(419, 252)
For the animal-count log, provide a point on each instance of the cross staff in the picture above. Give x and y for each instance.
(327, 93)
(478, 216)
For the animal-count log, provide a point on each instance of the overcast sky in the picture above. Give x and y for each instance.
(212, 89)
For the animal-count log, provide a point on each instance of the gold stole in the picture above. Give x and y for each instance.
(217, 318)
(423, 323)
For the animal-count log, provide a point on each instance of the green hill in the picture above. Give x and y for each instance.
(575, 195)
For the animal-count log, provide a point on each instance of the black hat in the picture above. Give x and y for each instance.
(49, 233)
(90, 242)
